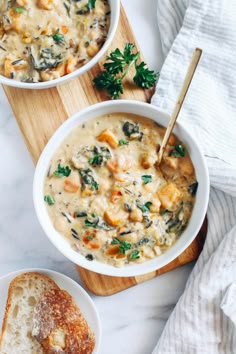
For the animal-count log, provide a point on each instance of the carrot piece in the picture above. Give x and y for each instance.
(70, 186)
(64, 29)
(115, 196)
(112, 165)
(90, 240)
(112, 218)
(107, 136)
(70, 65)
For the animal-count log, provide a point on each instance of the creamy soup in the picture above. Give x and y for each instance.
(42, 40)
(105, 195)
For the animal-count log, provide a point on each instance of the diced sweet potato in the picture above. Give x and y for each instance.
(115, 217)
(172, 162)
(186, 166)
(112, 218)
(148, 160)
(107, 136)
(70, 186)
(169, 196)
(115, 196)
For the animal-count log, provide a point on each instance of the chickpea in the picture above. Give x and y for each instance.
(136, 215)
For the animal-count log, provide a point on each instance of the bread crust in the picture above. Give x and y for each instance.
(18, 281)
(59, 325)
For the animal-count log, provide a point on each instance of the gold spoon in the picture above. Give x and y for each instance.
(188, 78)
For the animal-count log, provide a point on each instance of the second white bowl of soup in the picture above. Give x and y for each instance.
(101, 199)
(47, 42)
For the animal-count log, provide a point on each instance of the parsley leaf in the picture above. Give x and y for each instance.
(49, 199)
(134, 254)
(123, 245)
(147, 179)
(62, 171)
(123, 142)
(19, 9)
(109, 82)
(115, 241)
(144, 207)
(117, 66)
(91, 4)
(144, 77)
(178, 151)
(58, 37)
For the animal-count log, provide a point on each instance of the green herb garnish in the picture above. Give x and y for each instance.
(144, 207)
(134, 254)
(96, 160)
(147, 179)
(19, 9)
(58, 37)
(49, 199)
(123, 142)
(89, 223)
(115, 241)
(178, 151)
(123, 245)
(91, 4)
(117, 67)
(87, 8)
(62, 171)
(109, 82)
(144, 77)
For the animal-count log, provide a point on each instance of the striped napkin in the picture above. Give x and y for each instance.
(204, 319)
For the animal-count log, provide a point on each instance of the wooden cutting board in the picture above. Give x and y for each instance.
(40, 112)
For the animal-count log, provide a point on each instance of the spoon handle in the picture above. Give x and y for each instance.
(188, 78)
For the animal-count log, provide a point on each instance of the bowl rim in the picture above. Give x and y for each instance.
(199, 210)
(115, 15)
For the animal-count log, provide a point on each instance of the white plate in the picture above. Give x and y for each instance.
(75, 290)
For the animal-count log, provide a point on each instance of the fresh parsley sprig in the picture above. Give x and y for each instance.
(62, 171)
(123, 245)
(117, 67)
(58, 37)
(91, 4)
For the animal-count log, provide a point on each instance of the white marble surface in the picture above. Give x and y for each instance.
(132, 321)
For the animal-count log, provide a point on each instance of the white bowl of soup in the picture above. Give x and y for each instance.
(44, 43)
(103, 202)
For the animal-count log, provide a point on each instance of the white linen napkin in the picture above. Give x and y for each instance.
(204, 319)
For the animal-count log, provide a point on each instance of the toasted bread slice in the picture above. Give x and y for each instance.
(24, 292)
(59, 325)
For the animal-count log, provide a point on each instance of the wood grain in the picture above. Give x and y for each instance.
(40, 112)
